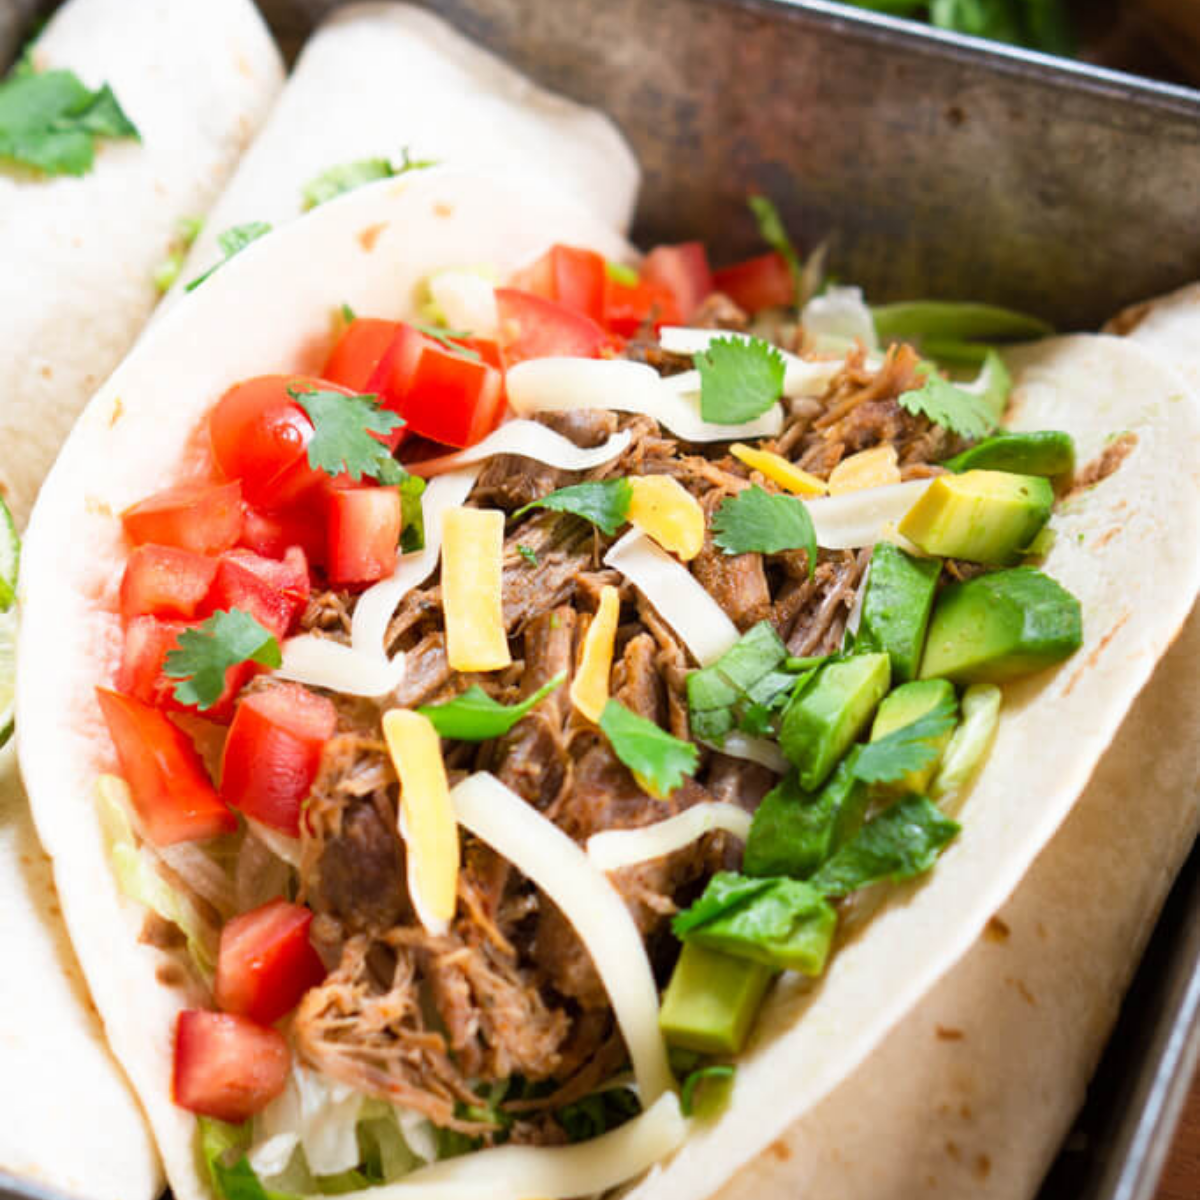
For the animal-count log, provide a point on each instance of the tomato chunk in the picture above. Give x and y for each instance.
(273, 752)
(757, 283)
(362, 534)
(569, 276)
(226, 1066)
(300, 525)
(205, 518)
(684, 271)
(238, 585)
(164, 581)
(266, 962)
(358, 351)
(173, 796)
(627, 309)
(533, 327)
(286, 572)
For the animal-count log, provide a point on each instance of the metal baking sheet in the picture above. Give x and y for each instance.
(938, 165)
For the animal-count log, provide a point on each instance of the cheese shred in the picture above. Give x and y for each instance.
(472, 566)
(589, 688)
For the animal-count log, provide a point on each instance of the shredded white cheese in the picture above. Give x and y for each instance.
(753, 749)
(322, 662)
(616, 848)
(861, 518)
(546, 855)
(529, 440)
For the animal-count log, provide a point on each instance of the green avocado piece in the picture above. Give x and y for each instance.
(823, 720)
(1001, 626)
(896, 607)
(712, 1000)
(981, 516)
(903, 706)
(1046, 452)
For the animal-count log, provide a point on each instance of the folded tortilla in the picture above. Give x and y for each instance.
(197, 78)
(1127, 548)
(381, 79)
(1168, 326)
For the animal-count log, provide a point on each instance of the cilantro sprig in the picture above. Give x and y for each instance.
(906, 749)
(762, 522)
(232, 242)
(658, 761)
(773, 231)
(475, 717)
(740, 379)
(446, 339)
(226, 639)
(604, 502)
(971, 411)
(345, 177)
(342, 429)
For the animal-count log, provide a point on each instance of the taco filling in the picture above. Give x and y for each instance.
(503, 710)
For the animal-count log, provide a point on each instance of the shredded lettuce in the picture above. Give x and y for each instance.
(838, 318)
(970, 743)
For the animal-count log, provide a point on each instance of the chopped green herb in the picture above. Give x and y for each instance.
(706, 1090)
(225, 640)
(342, 428)
(619, 273)
(605, 503)
(345, 177)
(348, 314)
(739, 379)
(412, 515)
(443, 336)
(906, 749)
(658, 761)
(528, 554)
(743, 687)
(960, 409)
(598, 1113)
(762, 522)
(773, 231)
(187, 229)
(232, 241)
(219, 1143)
(476, 717)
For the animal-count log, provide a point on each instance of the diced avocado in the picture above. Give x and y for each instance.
(712, 1000)
(1001, 626)
(896, 607)
(794, 832)
(909, 703)
(981, 516)
(823, 720)
(1046, 452)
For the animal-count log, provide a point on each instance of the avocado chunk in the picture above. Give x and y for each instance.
(1046, 452)
(824, 719)
(1001, 626)
(712, 1000)
(981, 516)
(909, 703)
(896, 607)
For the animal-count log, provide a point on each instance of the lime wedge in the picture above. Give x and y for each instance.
(10, 557)
(8, 672)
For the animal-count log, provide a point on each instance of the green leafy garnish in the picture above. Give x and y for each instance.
(1039, 24)
(443, 338)
(658, 761)
(219, 1143)
(906, 749)
(342, 428)
(598, 1113)
(412, 515)
(345, 177)
(233, 241)
(605, 503)
(348, 314)
(706, 1090)
(620, 274)
(225, 640)
(740, 379)
(900, 843)
(475, 717)
(970, 413)
(762, 522)
(187, 229)
(773, 231)
(528, 554)
(50, 120)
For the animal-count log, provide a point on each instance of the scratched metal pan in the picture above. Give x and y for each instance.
(939, 165)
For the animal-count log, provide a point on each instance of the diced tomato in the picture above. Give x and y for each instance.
(442, 395)
(362, 534)
(569, 276)
(273, 752)
(757, 283)
(266, 962)
(253, 584)
(487, 348)
(226, 1066)
(626, 309)
(171, 791)
(358, 351)
(286, 572)
(684, 271)
(301, 525)
(163, 581)
(205, 518)
(532, 327)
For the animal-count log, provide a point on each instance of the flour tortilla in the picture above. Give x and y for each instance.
(1168, 326)
(1127, 548)
(378, 78)
(197, 78)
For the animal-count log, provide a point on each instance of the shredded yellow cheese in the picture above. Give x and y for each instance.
(663, 508)
(589, 688)
(427, 821)
(777, 468)
(866, 469)
(472, 561)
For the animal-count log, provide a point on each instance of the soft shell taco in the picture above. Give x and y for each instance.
(439, 846)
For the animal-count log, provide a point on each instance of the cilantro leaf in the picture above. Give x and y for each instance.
(739, 379)
(225, 640)
(906, 749)
(971, 411)
(443, 338)
(598, 1113)
(528, 554)
(605, 503)
(342, 428)
(762, 522)
(658, 761)
(621, 274)
(773, 231)
(475, 717)
(232, 241)
(345, 177)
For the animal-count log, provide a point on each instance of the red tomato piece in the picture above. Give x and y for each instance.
(358, 351)
(163, 581)
(226, 1066)
(626, 309)
(273, 752)
(273, 593)
(266, 962)
(205, 518)
(684, 271)
(532, 327)
(569, 276)
(171, 791)
(757, 283)
(286, 572)
(301, 525)
(362, 534)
